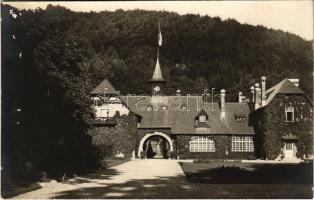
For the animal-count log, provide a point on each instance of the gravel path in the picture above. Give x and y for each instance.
(134, 179)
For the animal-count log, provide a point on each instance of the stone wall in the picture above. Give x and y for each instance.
(222, 149)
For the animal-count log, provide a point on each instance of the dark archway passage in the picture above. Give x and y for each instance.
(156, 147)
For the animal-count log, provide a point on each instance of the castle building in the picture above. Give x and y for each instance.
(276, 123)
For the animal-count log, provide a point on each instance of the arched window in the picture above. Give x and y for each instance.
(202, 144)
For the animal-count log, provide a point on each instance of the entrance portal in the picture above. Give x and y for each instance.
(290, 149)
(155, 145)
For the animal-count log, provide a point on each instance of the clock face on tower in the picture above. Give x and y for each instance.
(157, 88)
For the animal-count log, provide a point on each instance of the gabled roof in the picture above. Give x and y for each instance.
(284, 87)
(105, 87)
(183, 121)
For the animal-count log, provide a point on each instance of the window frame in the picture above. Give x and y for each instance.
(200, 144)
(242, 144)
(289, 146)
(289, 109)
(202, 118)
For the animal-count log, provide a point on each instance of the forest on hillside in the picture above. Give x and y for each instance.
(52, 58)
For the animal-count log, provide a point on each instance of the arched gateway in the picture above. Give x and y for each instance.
(145, 143)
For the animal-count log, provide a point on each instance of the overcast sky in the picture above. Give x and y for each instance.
(292, 16)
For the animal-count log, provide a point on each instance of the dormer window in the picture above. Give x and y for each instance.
(240, 117)
(201, 118)
(183, 107)
(289, 114)
(149, 108)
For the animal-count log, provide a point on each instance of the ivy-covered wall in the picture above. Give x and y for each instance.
(122, 137)
(270, 125)
(222, 149)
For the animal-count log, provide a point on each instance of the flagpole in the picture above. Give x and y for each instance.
(159, 35)
(159, 26)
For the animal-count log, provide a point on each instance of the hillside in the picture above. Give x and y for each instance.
(198, 52)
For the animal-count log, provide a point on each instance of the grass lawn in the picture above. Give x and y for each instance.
(252, 180)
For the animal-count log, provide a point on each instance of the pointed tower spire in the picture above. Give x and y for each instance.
(157, 78)
(157, 72)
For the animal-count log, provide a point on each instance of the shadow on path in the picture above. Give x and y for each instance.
(177, 187)
(165, 180)
(95, 177)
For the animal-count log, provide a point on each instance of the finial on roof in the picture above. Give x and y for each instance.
(252, 89)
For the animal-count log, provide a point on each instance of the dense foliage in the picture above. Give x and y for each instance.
(271, 126)
(51, 59)
(121, 138)
(45, 102)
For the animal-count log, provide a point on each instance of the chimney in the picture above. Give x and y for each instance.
(240, 97)
(252, 92)
(257, 96)
(263, 90)
(222, 98)
(178, 92)
(295, 81)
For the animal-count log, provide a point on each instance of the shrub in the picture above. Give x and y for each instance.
(172, 154)
(103, 164)
(143, 153)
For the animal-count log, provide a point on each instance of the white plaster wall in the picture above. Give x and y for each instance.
(114, 104)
